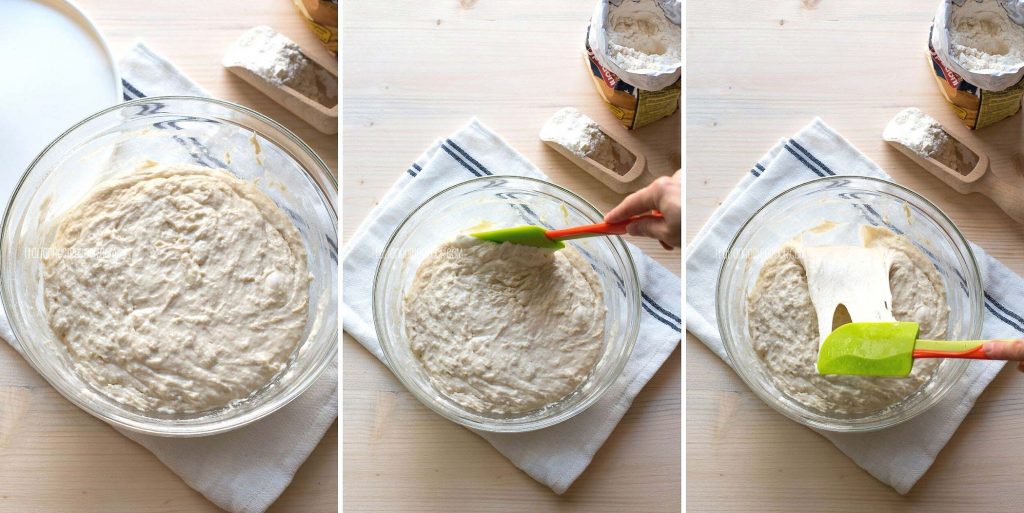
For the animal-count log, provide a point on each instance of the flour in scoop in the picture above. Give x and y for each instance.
(505, 328)
(574, 131)
(793, 306)
(984, 38)
(280, 61)
(923, 135)
(641, 38)
(177, 288)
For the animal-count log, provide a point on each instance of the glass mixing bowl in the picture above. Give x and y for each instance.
(849, 201)
(504, 201)
(188, 130)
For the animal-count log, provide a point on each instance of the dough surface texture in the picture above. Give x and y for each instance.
(177, 289)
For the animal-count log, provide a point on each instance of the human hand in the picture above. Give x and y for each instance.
(664, 195)
(1006, 350)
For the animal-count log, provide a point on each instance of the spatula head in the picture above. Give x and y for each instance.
(525, 235)
(869, 349)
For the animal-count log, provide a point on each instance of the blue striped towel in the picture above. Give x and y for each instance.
(900, 455)
(555, 456)
(245, 470)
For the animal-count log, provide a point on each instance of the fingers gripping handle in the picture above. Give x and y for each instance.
(1004, 349)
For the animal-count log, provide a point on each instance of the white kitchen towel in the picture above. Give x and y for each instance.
(555, 456)
(900, 455)
(245, 470)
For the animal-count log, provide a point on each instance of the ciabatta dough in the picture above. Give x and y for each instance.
(784, 325)
(505, 328)
(177, 289)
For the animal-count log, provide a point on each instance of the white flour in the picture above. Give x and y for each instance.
(923, 135)
(917, 131)
(574, 131)
(985, 39)
(280, 61)
(641, 38)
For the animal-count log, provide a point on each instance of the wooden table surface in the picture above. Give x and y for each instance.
(757, 72)
(414, 72)
(53, 456)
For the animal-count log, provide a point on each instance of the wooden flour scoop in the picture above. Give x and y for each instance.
(322, 117)
(1006, 194)
(622, 181)
(633, 180)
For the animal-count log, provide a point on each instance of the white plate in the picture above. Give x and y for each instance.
(57, 69)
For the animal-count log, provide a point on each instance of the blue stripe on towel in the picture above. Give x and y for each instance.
(1008, 312)
(997, 315)
(334, 248)
(804, 161)
(667, 313)
(468, 157)
(658, 318)
(459, 160)
(128, 87)
(812, 157)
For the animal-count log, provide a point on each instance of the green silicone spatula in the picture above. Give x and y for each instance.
(889, 349)
(539, 237)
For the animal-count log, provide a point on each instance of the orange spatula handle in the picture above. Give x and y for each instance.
(973, 354)
(588, 230)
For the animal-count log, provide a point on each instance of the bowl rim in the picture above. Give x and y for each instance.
(974, 279)
(164, 429)
(520, 426)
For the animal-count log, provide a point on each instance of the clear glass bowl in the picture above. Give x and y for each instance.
(504, 201)
(187, 130)
(849, 201)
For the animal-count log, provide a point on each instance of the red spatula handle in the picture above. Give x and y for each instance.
(587, 230)
(981, 350)
(973, 354)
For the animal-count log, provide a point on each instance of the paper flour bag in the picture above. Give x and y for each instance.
(976, 50)
(634, 53)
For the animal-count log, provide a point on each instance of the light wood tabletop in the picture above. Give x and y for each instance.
(53, 456)
(414, 72)
(758, 72)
